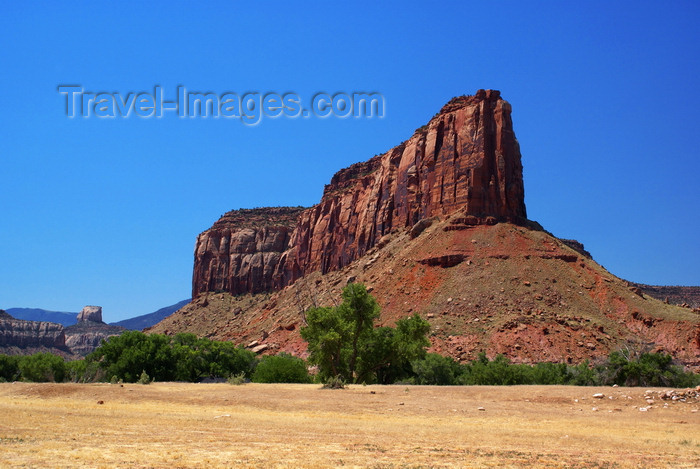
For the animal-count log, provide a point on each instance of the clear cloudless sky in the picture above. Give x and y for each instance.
(605, 103)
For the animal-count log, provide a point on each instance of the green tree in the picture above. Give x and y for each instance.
(359, 309)
(343, 341)
(328, 336)
(128, 355)
(388, 352)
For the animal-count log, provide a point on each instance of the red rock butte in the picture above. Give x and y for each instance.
(465, 159)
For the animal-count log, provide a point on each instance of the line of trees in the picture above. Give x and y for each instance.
(649, 369)
(239, 365)
(344, 347)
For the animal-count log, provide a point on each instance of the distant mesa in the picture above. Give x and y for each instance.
(90, 314)
(89, 332)
(23, 337)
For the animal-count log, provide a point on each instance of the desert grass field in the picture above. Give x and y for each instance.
(170, 425)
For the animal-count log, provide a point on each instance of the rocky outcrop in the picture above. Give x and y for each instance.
(19, 337)
(85, 336)
(466, 158)
(19, 334)
(576, 246)
(241, 253)
(90, 313)
(500, 289)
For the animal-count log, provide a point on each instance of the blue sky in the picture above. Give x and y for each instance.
(106, 211)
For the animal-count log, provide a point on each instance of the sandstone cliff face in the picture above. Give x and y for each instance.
(241, 252)
(85, 336)
(16, 333)
(466, 158)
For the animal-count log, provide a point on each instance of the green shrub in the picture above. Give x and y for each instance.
(334, 382)
(648, 369)
(144, 378)
(9, 368)
(436, 369)
(282, 368)
(582, 375)
(82, 371)
(237, 379)
(42, 367)
(184, 357)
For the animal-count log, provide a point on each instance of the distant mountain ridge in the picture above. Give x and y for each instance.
(37, 314)
(147, 320)
(70, 319)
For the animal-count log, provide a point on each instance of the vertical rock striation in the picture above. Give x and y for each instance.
(241, 252)
(466, 158)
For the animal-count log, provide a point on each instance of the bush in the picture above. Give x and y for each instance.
(436, 369)
(282, 368)
(144, 378)
(335, 382)
(42, 368)
(237, 380)
(82, 371)
(648, 369)
(128, 355)
(9, 368)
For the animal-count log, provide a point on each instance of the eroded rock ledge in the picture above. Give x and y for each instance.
(466, 158)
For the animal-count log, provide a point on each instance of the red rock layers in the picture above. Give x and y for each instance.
(242, 251)
(466, 158)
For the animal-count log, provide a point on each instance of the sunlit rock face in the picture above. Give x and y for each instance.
(466, 158)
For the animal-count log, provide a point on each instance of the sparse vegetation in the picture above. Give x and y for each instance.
(334, 382)
(237, 379)
(346, 347)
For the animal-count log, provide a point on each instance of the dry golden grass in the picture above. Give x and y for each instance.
(254, 425)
